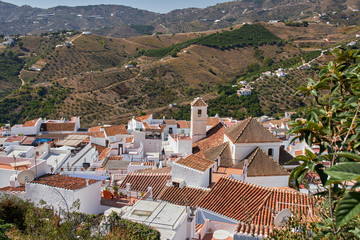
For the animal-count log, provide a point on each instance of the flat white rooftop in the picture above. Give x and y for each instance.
(165, 217)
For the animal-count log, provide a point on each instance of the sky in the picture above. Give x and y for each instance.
(160, 6)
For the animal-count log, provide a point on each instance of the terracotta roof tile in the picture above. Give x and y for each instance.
(146, 125)
(170, 121)
(129, 139)
(99, 148)
(141, 181)
(196, 162)
(182, 124)
(214, 137)
(198, 102)
(95, 129)
(105, 153)
(235, 199)
(114, 130)
(212, 121)
(57, 127)
(31, 123)
(250, 131)
(225, 172)
(63, 181)
(252, 229)
(28, 141)
(260, 164)
(158, 170)
(279, 200)
(253, 204)
(143, 163)
(142, 118)
(183, 196)
(13, 189)
(15, 139)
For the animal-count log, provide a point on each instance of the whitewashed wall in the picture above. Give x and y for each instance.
(191, 177)
(269, 181)
(61, 198)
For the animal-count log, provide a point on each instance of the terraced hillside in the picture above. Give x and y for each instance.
(108, 80)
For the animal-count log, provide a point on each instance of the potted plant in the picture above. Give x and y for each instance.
(121, 195)
(107, 194)
(115, 191)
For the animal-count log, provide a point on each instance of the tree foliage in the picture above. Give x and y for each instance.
(333, 124)
(247, 35)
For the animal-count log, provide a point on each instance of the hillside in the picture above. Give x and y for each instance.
(122, 21)
(89, 78)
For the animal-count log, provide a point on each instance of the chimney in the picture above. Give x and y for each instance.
(151, 193)
(87, 182)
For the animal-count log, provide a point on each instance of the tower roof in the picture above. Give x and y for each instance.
(261, 164)
(198, 102)
(250, 131)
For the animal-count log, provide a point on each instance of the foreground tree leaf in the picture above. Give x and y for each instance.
(348, 208)
(345, 172)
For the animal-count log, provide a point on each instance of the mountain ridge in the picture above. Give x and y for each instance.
(114, 20)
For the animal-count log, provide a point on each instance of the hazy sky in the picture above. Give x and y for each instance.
(161, 6)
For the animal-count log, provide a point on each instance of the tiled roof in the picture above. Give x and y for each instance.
(13, 189)
(129, 139)
(254, 204)
(28, 141)
(116, 157)
(180, 137)
(182, 124)
(235, 199)
(279, 200)
(260, 164)
(225, 172)
(114, 130)
(170, 121)
(251, 229)
(141, 181)
(31, 123)
(183, 196)
(15, 139)
(213, 153)
(146, 125)
(212, 121)
(99, 148)
(285, 157)
(104, 154)
(198, 102)
(196, 162)
(214, 137)
(63, 181)
(142, 118)
(95, 129)
(57, 127)
(143, 163)
(250, 131)
(158, 170)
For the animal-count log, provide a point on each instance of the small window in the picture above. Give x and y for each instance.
(270, 152)
(199, 113)
(170, 130)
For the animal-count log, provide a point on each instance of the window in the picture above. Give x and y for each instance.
(199, 113)
(270, 152)
(170, 130)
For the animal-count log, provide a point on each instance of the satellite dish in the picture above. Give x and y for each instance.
(282, 217)
(26, 175)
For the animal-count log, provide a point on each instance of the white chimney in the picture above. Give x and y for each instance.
(151, 193)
